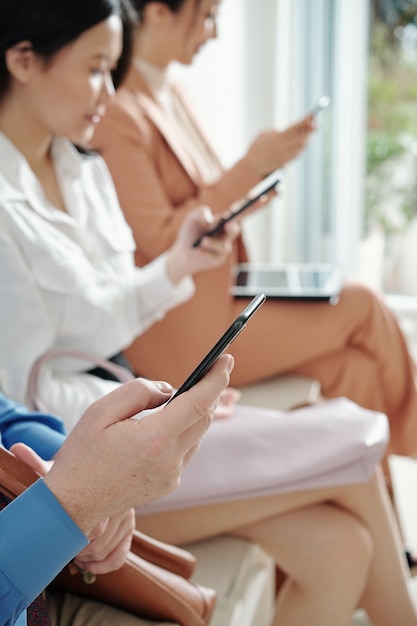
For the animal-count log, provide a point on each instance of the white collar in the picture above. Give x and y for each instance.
(18, 181)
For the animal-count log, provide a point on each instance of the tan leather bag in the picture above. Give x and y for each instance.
(154, 581)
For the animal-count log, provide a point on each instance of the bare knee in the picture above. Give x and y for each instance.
(338, 550)
(347, 554)
(316, 546)
(354, 544)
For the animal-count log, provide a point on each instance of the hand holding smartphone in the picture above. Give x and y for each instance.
(230, 335)
(267, 184)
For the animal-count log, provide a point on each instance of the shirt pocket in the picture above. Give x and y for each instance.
(71, 291)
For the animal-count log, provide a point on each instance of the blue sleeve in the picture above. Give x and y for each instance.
(42, 432)
(37, 539)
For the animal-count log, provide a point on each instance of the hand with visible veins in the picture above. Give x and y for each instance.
(110, 463)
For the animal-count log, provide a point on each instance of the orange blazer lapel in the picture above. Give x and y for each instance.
(139, 89)
(147, 103)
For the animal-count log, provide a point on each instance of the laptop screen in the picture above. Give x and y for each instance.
(289, 281)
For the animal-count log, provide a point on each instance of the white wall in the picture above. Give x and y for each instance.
(217, 81)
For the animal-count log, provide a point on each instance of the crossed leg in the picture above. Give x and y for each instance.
(339, 547)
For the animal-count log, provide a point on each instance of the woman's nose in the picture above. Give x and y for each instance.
(108, 90)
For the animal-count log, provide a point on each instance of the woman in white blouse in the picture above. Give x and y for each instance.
(68, 280)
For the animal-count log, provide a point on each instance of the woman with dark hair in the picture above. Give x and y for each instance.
(67, 22)
(163, 165)
(68, 281)
(66, 250)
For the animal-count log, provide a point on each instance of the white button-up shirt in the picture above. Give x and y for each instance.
(68, 279)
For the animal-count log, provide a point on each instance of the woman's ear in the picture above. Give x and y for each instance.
(156, 12)
(19, 61)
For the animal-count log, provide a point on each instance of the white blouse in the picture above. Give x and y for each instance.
(68, 279)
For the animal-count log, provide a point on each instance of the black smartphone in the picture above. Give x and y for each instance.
(322, 104)
(231, 333)
(267, 184)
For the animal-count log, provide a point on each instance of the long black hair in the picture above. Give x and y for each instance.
(49, 25)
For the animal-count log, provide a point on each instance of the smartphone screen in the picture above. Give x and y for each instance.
(266, 185)
(230, 335)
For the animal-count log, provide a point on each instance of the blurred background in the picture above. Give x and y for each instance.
(352, 196)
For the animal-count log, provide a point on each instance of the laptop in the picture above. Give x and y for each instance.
(289, 281)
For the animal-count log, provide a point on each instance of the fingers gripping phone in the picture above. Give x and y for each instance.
(267, 184)
(230, 335)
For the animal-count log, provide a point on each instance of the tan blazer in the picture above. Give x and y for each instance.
(157, 182)
(355, 348)
(158, 185)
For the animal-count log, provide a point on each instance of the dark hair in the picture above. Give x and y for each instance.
(52, 24)
(174, 5)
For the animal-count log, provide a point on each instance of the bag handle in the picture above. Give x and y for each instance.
(118, 371)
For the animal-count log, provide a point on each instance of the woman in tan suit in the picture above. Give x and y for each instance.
(163, 166)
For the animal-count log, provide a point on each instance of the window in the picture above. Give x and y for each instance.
(272, 62)
(391, 199)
